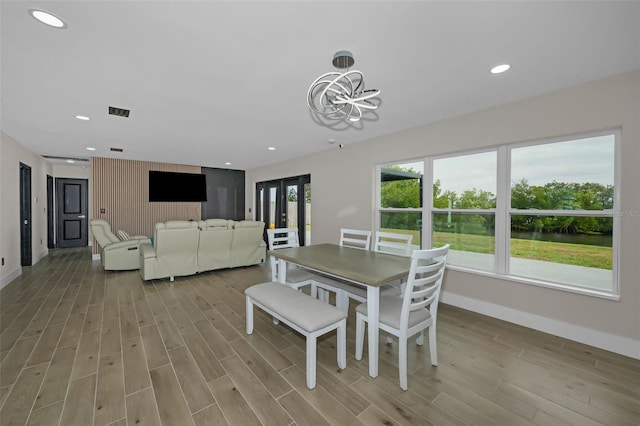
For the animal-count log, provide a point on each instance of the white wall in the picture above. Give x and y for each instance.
(11, 155)
(343, 184)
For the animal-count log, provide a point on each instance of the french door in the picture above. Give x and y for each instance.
(286, 203)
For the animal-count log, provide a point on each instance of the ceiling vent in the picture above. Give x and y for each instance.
(76, 159)
(120, 112)
(116, 149)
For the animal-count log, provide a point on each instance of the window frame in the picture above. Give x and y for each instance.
(503, 211)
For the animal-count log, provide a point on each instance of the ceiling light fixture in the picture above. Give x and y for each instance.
(48, 18)
(340, 95)
(83, 117)
(90, 148)
(499, 69)
(271, 148)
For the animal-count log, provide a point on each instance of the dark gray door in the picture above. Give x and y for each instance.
(72, 209)
(25, 215)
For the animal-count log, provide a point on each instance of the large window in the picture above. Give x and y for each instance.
(541, 212)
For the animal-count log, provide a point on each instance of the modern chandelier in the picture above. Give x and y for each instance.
(340, 95)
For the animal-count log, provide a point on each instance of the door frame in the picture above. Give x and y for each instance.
(51, 242)
(61, 215)
(263, 200)
(26, 232)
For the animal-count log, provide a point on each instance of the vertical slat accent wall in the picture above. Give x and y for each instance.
(121, 188)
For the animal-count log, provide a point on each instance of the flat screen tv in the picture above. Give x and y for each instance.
(172, 186)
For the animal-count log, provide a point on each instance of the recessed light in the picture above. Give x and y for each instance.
(90, 148)
(331, 141)
(83, 117)
(227, 163)
(70, 161)
(271, 148)
(47, 18)
(498, 69)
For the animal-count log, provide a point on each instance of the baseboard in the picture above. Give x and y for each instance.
(610, 342)
(10, 277)
(38, 257)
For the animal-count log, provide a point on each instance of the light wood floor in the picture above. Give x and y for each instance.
(80, 346)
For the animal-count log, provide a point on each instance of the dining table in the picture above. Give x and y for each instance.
(364, 268)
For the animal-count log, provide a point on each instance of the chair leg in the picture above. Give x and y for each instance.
(402, 361)
(342, 344)
(311, 361)
(359, 335)
(420, 339)
(314, 290)
(432, 345)
(249, 308)
(342, 300)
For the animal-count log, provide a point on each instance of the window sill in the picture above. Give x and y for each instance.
(546, 284)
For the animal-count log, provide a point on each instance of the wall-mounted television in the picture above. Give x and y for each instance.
(173, 186)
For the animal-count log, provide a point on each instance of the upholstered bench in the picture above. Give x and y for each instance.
(306, 315)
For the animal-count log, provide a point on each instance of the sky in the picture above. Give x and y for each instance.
(575, 161)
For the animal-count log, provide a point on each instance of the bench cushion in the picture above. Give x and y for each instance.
(302, 310)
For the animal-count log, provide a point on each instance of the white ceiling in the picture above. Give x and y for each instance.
(210, 82)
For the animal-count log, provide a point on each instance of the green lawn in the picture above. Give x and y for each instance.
(569, 254)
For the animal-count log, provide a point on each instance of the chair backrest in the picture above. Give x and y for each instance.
(280, 238)
(355, 238)
(424, 282)
(392, 243)
(101, 231)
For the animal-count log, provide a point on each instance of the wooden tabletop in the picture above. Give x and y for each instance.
(359, 266)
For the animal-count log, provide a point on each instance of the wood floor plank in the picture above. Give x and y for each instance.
(79, 404)
(155, 352)
(15, 360)
(261, 368)
(54, 387)
(191, 380)
(232, 404)
(264, 405)
(93, 319)
(86, 362)
(301, 411)
(110, 402)
(142, 409)
(72, 331)
(17, 406)
(46, 345)
(46, 416)
(128, 324)
(207, 362)
(321, 399)
(170, 400)
(110, 340)
(169, 332)
(136, 375)
(218, 344)
(210, 416)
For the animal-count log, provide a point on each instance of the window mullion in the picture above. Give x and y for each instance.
(503, 201)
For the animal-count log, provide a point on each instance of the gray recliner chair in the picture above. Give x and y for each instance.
(116, 255)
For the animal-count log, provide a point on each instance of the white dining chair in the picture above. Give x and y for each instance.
(411, 314)
(297, 278)
(397, 244)
(354, 238)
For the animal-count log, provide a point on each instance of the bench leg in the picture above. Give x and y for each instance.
(249, 307)
(342, 344)
(311, 361)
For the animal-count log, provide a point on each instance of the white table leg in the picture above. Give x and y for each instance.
(373, 314)
(282, 271)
